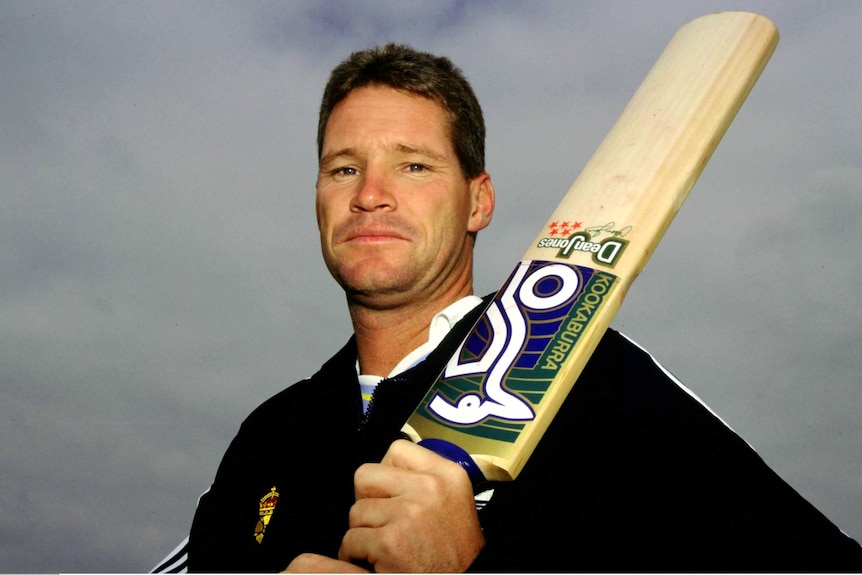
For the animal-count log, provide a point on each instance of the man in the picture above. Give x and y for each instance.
(634, 473)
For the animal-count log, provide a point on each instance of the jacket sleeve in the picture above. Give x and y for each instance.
(175, 561)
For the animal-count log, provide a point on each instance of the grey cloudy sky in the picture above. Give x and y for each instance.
(159, 267)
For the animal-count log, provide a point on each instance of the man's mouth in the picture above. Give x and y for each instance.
(374, 232)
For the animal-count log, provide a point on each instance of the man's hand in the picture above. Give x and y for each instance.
(313, 563)
(414, 511)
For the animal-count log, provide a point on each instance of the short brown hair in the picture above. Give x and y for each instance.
(420, 73)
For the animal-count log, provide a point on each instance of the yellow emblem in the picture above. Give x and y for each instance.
(267, 506)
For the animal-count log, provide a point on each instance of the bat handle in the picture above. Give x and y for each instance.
(454, 453)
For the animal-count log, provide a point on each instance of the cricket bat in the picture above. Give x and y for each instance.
(504, 385)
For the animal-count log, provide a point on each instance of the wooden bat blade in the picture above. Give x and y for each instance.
(500, 391)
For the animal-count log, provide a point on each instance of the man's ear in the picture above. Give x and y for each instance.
(482, 200)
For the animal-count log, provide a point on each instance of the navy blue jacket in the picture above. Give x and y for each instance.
(634, 474)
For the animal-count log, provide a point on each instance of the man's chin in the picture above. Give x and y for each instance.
(376, 276)
(379, 292)
(383, 286)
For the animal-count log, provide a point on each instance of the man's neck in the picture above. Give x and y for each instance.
(385, 336)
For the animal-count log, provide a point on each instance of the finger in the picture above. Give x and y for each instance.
(379, 480)
(372, 512)
(313, 563)
(407, 455)
(404, 454)
(354, 545)
(366, 546)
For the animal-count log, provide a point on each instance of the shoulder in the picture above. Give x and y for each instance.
(294, 420)
(297, 417)
(638, 382)
(296, 442)
(335, 378)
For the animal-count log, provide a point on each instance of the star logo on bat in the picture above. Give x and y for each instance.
(563, 228)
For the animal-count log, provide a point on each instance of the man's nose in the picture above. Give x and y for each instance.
(375, 192)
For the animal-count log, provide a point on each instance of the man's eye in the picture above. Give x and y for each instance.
(346, 171)
(416, 168)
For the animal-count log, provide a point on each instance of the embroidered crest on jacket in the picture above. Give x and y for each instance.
(267, 507)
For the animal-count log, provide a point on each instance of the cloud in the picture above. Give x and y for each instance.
(159, 268)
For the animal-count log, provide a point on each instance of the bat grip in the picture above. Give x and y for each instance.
(454, 453)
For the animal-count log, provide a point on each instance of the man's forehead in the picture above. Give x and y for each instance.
(390, 119)
(377, 99)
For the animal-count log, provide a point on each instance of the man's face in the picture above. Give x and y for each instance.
(394, 209)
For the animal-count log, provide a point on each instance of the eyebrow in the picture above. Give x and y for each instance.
(327, 158)
(407, 149)
(399, 147)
